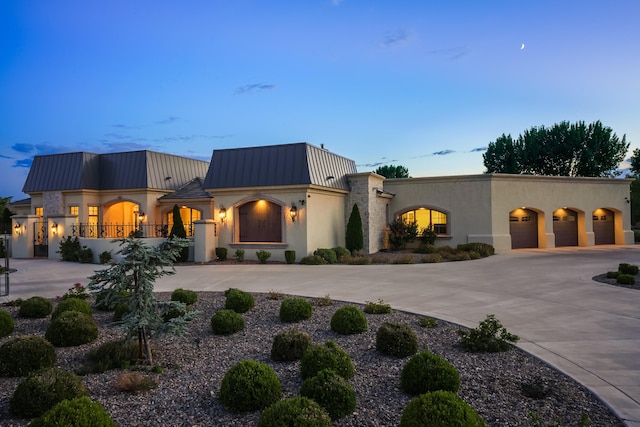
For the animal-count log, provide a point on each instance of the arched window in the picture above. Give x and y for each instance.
(427, 218)
(260, 221)
(188, 215)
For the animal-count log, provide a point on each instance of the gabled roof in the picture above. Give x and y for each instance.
(113, 171)
(191, 190)
(276, 165)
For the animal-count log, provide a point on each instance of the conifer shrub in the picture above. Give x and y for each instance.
(184, 296)
(625, 268)
(119, 354)
(225, 322)
(290, 345)
(71, 328)
(327, 356)
(426, 372)
(6, 324)
(354, 235)
(263, 256)
(238, 301)
(22, 355)
(250, 386)
(35, 307)
(71, 304)
(221, 253)
(341, 253)
(348, 320)
(396, 339)
(439, 409)
(120, 310)
(489, 336)
(294, 309)
(379, 307)
(328, 255)
(104, 305)
(78, 412)
(483, 249)
(313, 260)
(42, 390)
(290, 256)
(296, 411)
(332, 392)
(625, 279)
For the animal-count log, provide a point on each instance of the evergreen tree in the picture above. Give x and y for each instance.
(354, 238)
(178, 231)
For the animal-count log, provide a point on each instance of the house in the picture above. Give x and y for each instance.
(299, 197)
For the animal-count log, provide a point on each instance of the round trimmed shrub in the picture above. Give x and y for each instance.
(78, 412)
(6, 324)
(35, 307)
(327, 356)
(342, 253)
(22, 355)
(348, 320)
(42, 390)
(226, 322)
(396, 339)
(104, 305)
(625, 268)
(295, 309)
(328, 255)
(427, 372)
(290, 345)
(71, 304)
(250, 386)
(184, 296)
(625, 279)
(290, 256)
(238, 301)
(72, 328)
(111, 355)
(296, 411)
(439, 409)
(332, 392)
(313, 260)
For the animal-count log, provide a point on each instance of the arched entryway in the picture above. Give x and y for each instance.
(565, 227)
(260, 221)
(523, 227)
(604, 227)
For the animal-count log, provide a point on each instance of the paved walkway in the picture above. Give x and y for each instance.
(589, 330)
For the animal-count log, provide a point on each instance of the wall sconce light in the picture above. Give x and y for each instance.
(293, 212)
(18, 229)
(142, 216)
(626, 199)
(222, 213)
(302, 201)
(54, 228)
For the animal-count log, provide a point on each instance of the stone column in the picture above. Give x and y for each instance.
(205, 240)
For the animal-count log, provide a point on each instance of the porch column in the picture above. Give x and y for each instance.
(205, 240)
(22, 237)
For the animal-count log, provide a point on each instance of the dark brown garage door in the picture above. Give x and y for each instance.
(565, 227)
(603, 227)
(523, 226)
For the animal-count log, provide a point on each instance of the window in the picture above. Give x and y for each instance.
(188, 216)
(73, 210)
(93, 220)
(260, 221)
(426, 218)
(40, 211)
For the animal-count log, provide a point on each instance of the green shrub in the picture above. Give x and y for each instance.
(357, 260)
(439, 409)
(328, 255)
(626, 279)
(250, 386)
(313, 260)
(85, 256)
(426, 372)
(459, 256)
(76, 291)
(489, 336)
(295, 411)
(78, 412)
(379, 307)
(6, 324)
(625, 268)
(105, 257)
(396, 339)
(238, 301)
(239, 255)
(348, 320)
(341, 253)
(263, 256)
(290, 345)
(425, 248)
(118, 354)
(35, 307)
(120, 311)
(104, 305)
(71, 328)
(69, 249)
(42, 390)
(483, 249)
(290, 256)
(327, 356)
(332, 392)
(636, 236)
(221, 254)
(428, 236)
(427, 322)
(22, 355)
(432, 258)
(612, 274)
(184, 296)
(402, 232)
(354, 235)
(536, 388)
(173, 312)
(295, 309)
(71, 304)
(226, 322)
(380, 259)
(404, 259)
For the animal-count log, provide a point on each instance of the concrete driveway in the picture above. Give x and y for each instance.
(589, 330)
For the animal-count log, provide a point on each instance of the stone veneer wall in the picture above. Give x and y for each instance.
(364, 193)
(52, 203)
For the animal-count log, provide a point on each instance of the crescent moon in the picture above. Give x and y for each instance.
(522, 47)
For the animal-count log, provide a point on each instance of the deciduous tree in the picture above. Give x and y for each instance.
(393, 171)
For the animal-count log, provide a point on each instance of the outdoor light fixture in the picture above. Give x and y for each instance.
(17, 228)
(142, 216)
(54, 228)
(222, 213)
(293, 212)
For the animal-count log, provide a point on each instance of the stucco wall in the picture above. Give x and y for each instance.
(324, 221)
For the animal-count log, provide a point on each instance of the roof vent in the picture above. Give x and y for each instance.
(167, 178)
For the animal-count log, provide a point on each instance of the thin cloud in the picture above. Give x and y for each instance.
(5, 157)
(443, 153)
(116, 147)
(395, 38)
(167, 121)
(336, 2)
(452, 53)
(23, 148)
(478, 149)
(254, 88)
(123, 126)
(25, 163)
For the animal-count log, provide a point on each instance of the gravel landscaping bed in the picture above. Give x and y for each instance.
(194, 365)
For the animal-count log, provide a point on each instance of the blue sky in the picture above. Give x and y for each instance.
(424, 84)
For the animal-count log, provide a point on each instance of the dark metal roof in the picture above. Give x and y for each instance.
(191, 190)
(276, 165)
(114, 171)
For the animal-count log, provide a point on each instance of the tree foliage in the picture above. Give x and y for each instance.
(393, 171)
(5, 215)
(130, 281)
(354, 239)
(565, 149)
(178, 230)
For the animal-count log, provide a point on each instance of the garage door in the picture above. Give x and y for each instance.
(523, 226)
(565, 227)
(603, 227)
